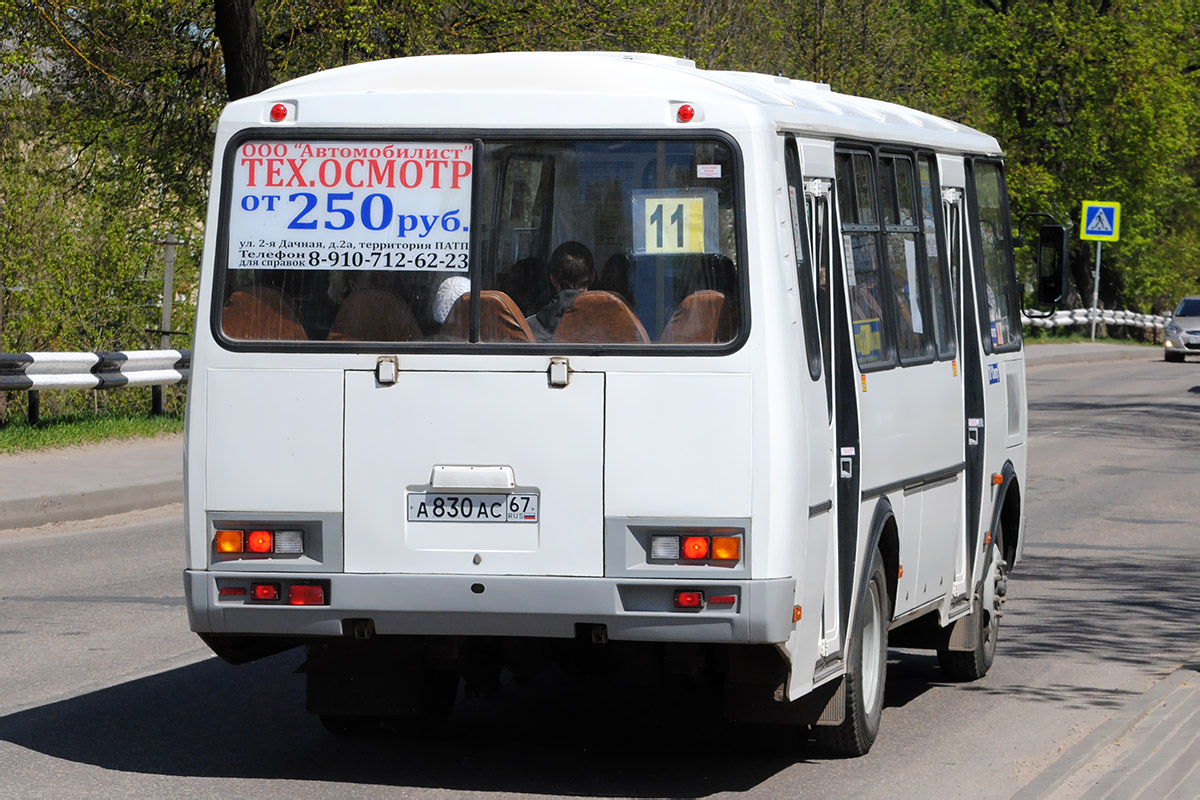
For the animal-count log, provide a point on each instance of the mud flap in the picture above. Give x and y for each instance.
(965, 632)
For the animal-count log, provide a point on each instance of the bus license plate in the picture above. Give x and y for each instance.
(441, 507)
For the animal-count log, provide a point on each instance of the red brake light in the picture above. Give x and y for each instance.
(299, 595)
(689, 599)
(265, 591)
(279, 112)
(696, 547)
(260, 542)
(686, 113)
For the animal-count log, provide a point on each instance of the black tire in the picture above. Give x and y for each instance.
(1174, 358)
(866, 673)
(962, 666)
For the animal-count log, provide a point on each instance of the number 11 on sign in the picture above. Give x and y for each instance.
(674, 225)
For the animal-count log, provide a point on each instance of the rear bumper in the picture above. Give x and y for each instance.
(500, 605)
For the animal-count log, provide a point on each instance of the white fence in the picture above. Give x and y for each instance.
(32, 372)
(1085, 316)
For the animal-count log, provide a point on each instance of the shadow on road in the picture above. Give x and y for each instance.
(213, 720)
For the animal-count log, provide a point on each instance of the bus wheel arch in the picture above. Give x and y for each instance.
(1009, 515)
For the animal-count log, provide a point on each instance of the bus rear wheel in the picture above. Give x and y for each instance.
(866, 673)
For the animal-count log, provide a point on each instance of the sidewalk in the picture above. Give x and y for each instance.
(90, 481)
(1150, 748)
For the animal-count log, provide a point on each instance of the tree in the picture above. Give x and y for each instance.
(246, 68)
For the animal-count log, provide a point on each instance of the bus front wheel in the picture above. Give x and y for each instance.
(971, 665)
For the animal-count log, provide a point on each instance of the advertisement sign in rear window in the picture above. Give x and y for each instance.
(351, 205)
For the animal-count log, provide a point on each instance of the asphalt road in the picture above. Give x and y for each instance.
(106, 693)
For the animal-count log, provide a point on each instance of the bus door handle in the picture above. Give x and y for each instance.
(973, 428)
(846, 462)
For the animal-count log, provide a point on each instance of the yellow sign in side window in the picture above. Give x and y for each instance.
(674, 225)
(671, 223)
(868, 340)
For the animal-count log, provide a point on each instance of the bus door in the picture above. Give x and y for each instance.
(812, 220)
(842, 411)
(996, 388)
(844, 403)
(968, 363)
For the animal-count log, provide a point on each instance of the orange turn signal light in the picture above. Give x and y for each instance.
(229, 542)
(726, 548)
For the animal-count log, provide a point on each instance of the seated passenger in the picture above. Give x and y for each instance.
(571, 274)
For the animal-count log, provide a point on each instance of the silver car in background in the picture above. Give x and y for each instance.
(1183, 331)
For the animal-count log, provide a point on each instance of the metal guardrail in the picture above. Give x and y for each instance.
(1085, 316)
(32, 372)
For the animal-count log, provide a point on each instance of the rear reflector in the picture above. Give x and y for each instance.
(265, 591)
(689, 599)
(722, 600)
(306, 595)
(232, 591)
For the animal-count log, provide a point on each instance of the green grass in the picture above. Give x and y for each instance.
(1041, 336)
(17, 435)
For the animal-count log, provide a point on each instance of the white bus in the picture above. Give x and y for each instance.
(508, 358)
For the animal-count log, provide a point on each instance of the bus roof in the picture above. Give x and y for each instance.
(582, 90)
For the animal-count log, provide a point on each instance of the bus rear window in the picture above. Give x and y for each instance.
(562, 242)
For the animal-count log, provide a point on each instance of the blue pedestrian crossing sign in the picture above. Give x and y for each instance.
(1101, 221)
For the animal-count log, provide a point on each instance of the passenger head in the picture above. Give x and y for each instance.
(571, 267)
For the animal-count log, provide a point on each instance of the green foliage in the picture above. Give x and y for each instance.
(1095, 102)
(107, 108)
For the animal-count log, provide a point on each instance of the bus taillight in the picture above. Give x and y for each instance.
(696, 547)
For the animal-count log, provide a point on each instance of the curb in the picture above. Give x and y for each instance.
(30, 512)
(1116, 727)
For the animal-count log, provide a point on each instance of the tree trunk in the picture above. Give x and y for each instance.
(246, 68)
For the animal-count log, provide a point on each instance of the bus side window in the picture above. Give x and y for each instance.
(910, 280)
(808, 304)
(941, 296)
(1001, 328)
(860, 244)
